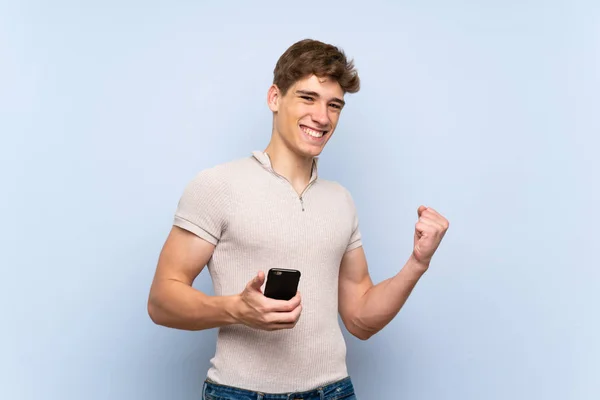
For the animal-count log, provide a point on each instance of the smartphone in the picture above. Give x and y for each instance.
(282, 284)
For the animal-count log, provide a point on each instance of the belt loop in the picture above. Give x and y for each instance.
(321, 393)
(204, 390)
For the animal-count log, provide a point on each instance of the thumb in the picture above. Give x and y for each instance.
(258, 281)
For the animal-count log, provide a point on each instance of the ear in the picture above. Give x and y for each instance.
(273, 98)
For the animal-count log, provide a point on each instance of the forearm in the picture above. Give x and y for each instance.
(177, 305)
(382, 302)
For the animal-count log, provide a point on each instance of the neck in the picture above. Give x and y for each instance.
(295, 168)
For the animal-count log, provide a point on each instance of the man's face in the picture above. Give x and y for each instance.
(306, 117)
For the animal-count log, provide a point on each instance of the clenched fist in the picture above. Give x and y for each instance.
(429, 232)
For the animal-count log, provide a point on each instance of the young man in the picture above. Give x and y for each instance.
(272, 210)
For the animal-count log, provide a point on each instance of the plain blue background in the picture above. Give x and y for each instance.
(487, 111)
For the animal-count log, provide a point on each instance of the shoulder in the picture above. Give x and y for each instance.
(222, 174)
(337, 190)
(210, 189)
(334, 186)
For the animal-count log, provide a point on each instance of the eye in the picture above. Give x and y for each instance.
(308, 98)
(336, 106)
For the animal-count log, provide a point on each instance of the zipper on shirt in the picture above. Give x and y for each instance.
(301, 195)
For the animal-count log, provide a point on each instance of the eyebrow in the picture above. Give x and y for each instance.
(315, 94)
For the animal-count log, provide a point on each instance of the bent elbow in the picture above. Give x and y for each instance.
(154, 312)
(363, 335)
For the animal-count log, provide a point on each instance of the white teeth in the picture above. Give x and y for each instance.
(312, 133)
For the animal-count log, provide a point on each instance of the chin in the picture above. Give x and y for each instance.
(310, 151)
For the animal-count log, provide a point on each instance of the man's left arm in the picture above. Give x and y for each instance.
(366, 308)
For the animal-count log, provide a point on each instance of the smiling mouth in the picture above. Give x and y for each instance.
(316, 133)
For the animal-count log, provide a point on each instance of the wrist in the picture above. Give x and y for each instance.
(418, 266)
(233, 308)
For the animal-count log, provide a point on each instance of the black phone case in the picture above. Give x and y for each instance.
(282, 284)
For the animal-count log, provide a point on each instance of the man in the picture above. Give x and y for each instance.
(272, 210)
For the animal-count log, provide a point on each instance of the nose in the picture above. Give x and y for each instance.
(320, 115)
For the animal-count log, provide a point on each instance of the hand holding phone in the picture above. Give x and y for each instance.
(279, 310)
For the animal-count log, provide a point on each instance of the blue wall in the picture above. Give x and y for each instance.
(487, 111)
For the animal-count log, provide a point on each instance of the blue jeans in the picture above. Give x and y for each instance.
(340, 390)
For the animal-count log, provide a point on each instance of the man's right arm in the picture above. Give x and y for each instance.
(174, 303)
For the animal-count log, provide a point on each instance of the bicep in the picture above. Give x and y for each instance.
(354, 281)
(182, 257)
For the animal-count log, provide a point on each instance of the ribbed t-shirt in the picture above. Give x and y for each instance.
(258, 221)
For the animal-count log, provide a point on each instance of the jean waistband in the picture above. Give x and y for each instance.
(328, 391)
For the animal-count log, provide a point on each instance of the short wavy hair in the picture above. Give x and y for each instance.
(312, 57)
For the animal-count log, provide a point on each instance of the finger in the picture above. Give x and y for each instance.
(277, 327)
(291, 317)
(421, 228)
(420, 210)
(258, 281)
(431, 222)
(272, 305)
(284, 317)
(436, 216)
(432, 210)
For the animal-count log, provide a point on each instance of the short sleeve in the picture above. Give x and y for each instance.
(202, 208)
(355, 237)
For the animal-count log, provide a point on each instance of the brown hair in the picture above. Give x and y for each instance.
(311, 57)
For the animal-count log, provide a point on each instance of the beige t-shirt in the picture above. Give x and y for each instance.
(257, 221)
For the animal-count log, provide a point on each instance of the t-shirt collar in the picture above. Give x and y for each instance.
(265, 161)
